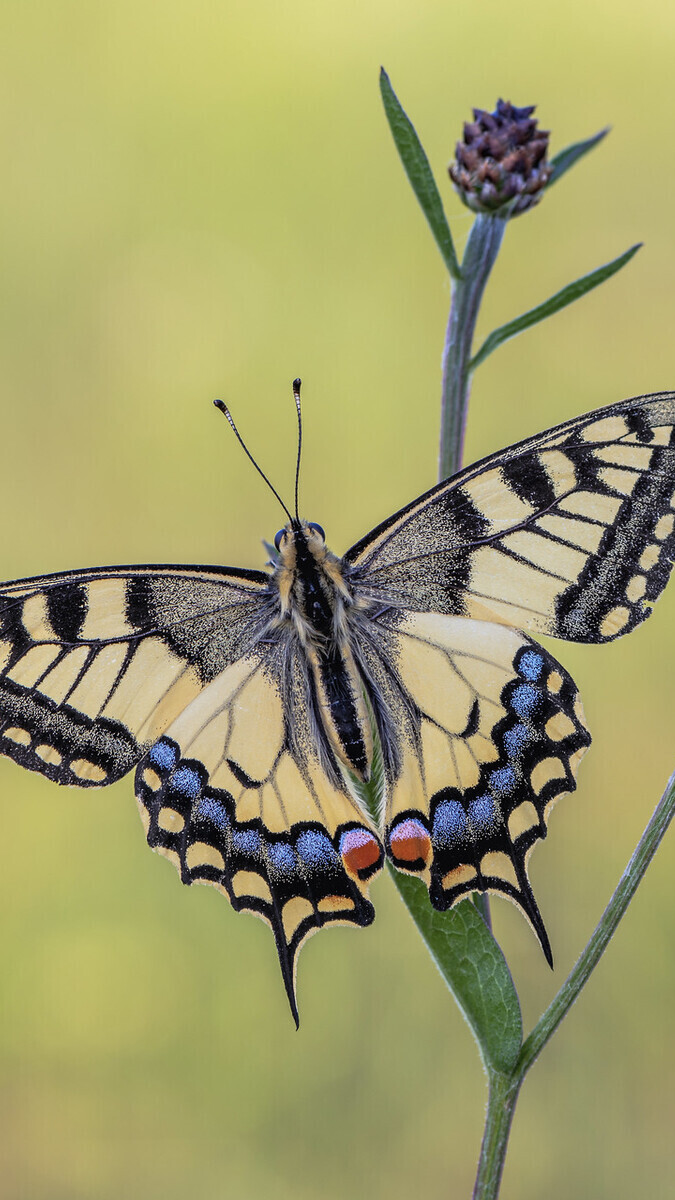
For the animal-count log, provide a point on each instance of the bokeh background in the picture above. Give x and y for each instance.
(203, 199)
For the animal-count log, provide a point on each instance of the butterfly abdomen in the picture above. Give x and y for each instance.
(343, 712)
(315, 600)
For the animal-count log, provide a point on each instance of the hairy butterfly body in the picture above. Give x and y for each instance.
(250, 701)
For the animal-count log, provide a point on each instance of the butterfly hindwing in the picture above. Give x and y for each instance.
(236, 799)
(95, 664)
(494, 735)
(570, 533)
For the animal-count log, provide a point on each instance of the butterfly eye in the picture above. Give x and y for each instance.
(279, 537)
(317, 529)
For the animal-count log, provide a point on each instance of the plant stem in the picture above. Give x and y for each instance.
(589, 958)
(504, 1087)
(480, 254)
(481, 251)
(502, 1097)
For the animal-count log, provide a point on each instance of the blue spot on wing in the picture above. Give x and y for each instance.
(316, 849)
(525, 700)
(210, 809)
(503, 781)
(517, 739)
(246, 841)
(530, 665)
(163, 755)
(450, 825)
(281, 857)
(187, 781)
(483, 816)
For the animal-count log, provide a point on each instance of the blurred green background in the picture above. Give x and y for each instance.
(203, 199)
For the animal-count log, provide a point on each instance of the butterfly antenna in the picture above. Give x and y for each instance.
(222, 407)
(296, 396)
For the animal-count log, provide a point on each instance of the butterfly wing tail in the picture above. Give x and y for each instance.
(297, 881)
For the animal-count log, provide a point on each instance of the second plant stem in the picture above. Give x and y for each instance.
(505, 1086)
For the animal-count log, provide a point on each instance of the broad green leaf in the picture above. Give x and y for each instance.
(463, 949)
(567, 158)
(416, 166)
(474, 969)
(561, 299)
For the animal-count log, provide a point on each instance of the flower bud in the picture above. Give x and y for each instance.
(501, 163)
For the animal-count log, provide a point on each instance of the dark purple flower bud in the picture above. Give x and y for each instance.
(501, 161)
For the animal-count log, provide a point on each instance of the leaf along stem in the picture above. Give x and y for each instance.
(473, 966)
(567, 295)
(417, 168)
(567, 158)
(460, 943)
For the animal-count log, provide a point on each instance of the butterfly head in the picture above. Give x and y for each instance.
(312, 533)
(301, 550)
(310, 580)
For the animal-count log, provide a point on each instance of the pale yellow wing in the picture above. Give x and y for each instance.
(235, 796)
(95, 664)
(570, 533)
(490, 732)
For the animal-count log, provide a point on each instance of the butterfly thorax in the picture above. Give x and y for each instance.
(315, 602)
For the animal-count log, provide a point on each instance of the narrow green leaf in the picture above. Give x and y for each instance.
(567, 158)
(474, 969)
(561, 299)
(416, 166)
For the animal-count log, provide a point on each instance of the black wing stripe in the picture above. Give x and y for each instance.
(67, 609)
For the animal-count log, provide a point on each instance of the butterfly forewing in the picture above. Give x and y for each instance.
(569, 534)
(95, 664)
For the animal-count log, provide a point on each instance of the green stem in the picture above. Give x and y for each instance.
(505, 1086)
(480, 254)
(588, 960)
(481, 251)
(502, 1097)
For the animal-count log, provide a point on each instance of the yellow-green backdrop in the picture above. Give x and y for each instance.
(203, 199)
